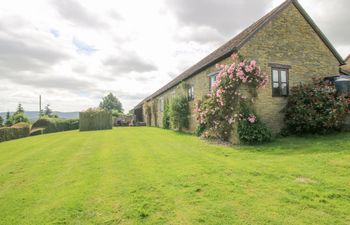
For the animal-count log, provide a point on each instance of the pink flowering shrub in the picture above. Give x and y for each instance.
(251, 118)
(251, 129)
(218, 111)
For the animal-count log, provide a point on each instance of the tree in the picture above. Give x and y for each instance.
(1, 121)
(20, 109)
(19, 118)
(116, 113)
(8, 122)
(48, 111)
(110, 102)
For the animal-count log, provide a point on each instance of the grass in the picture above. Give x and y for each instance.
(154, 176)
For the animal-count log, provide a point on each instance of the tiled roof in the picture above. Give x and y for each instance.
(236, 43)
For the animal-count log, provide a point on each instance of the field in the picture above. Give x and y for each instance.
(153, 176)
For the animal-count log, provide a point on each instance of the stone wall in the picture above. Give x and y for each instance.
(347, 65)
(288, 40)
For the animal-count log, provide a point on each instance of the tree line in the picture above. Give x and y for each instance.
(18, 116)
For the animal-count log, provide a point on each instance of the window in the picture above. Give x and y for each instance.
(190, 92)
(212, 79)
(279, 82)
(161, 104)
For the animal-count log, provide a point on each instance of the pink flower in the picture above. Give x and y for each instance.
(252, 118)
(234, 56)
(249, 69)
(253, 63)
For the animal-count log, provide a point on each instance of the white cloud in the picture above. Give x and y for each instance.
(74, 52)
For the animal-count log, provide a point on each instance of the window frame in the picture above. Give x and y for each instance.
(279, 68)
(161, 104)
(190, 92)
(210, 75)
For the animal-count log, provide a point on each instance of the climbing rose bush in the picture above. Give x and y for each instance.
(219, 110)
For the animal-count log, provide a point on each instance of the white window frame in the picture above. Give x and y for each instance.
(161, 104)
(210, 77)
(190, 92)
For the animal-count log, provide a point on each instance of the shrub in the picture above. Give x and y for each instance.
(117, 113)
(315, 108)
(148, 112)
(37, 131)
(19, 118)
(95, 119)
(19, 130)
(8, 122)
(200, 129)
(179, 111)
(166, 117)
(251, 129)
(155, 113)
(51, 125)
(236, 83)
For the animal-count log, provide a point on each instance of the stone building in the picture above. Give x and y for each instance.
(288, 46)
(345, 69)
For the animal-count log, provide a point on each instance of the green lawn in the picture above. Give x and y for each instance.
(154, 176)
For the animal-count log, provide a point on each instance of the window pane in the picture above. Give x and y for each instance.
(284, 89)
(190, 92)
(275, 85)
(276, 92)
(275, 75)
(283, 76)
(212, 80)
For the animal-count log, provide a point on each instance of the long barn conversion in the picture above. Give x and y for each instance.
(288, 46)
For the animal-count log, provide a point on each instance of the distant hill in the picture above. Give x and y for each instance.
(33, 115)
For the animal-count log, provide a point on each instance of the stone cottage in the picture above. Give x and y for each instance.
(288, 46)
(345, 69)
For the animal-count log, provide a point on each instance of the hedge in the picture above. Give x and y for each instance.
(51, 125)
(19, 130)
(95, 119)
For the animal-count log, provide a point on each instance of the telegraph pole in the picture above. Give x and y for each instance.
(39, 106)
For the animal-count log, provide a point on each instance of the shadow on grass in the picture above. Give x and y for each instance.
(307, 144)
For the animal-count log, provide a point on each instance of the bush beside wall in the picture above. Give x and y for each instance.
(51, 125)
(315, 108)
(95, 119)
(19, 130)
(179, 113)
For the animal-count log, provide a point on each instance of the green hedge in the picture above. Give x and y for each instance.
(52, 125)
(95, 119)
(19, 130)
(178, 113)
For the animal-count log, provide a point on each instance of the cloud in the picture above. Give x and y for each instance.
(45, 81)
(83, 47)
(225, 16)
(200, 34)
(76, 13)
(128, 62)
(55, 33)
(336, 23)
(23, 56)
(46, 46)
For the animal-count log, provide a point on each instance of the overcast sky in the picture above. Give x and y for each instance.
(75, 52)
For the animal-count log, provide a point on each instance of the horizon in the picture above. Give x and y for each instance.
(74, 53)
